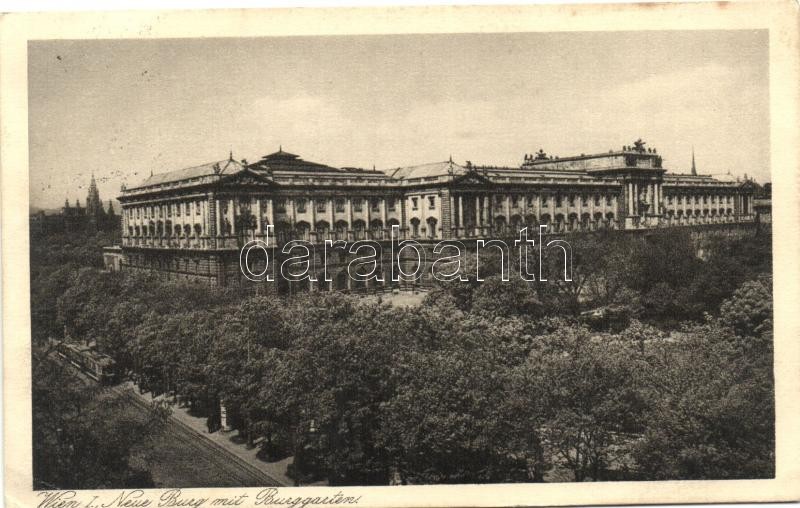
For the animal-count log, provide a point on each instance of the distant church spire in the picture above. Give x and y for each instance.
(94, 207)
(694, 169)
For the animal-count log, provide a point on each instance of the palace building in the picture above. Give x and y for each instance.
(191, 223)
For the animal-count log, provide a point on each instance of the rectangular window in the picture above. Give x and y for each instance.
(376, 205)
(339, 205)
(669, 200)
(197, 208)
(584, 201)
(301, 205)
(413, 203)
(431, 202)
(597, 200)
(357, 204)
(515, 201)
(390, 204)
(280, 205)
(572, 200)
(697, 199)
(178, 209)
(321, 205)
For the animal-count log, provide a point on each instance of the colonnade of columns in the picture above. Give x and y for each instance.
(221, 221)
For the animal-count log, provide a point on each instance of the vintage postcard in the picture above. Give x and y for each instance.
(429, 256)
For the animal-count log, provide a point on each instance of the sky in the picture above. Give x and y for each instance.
(123, 108)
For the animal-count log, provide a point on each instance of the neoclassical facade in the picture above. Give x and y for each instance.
(192, 222)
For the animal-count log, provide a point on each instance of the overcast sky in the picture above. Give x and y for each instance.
(124, 108)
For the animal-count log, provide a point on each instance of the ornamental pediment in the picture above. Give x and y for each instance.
(473, 178)
(247, 178)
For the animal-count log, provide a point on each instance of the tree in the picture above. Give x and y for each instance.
(498, 298)
(587, 388)
(749, 310)
(711, 413)
(82, 435)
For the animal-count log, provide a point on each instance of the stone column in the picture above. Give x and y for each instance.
(213, 220)
(384, 216)
(349, 233)
(460, 231)
(232, 215)
(368, 202)
(258, 215)
(218, 219)
(477, 214)
(485, 215)
(629, 197)
(313, 206)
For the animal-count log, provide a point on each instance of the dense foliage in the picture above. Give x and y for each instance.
(484, 382)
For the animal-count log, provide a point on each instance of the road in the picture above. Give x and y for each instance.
(204, 460)
(179, 456)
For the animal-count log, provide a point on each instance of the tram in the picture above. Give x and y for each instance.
(94, 364)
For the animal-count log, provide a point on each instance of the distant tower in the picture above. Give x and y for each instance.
(94, 207)
(694, 169)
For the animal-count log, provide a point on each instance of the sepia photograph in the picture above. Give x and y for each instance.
(265, 262)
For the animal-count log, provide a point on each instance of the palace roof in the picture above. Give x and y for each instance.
(427, 170)
(226, 167)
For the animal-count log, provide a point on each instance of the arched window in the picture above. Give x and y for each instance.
(414, 227)
(499, 224)
(283, 233)
(323, 230)
(573, 221)
(341, 230)
(376, 229)
(516, 224)
(303, 230)
(432, 227)
(359, 229)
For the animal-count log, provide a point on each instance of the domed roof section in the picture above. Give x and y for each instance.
(285, 161)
